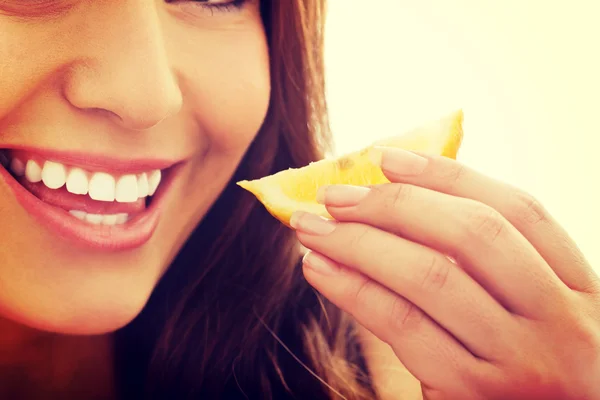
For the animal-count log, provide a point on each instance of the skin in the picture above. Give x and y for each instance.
(134, 79)
(476, 289)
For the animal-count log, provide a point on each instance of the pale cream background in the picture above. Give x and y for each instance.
(525, 72)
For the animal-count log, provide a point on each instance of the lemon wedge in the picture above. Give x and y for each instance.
(295, 189)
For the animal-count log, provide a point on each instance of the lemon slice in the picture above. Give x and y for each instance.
(295, 189)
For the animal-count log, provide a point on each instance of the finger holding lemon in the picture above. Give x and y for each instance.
(478, 290)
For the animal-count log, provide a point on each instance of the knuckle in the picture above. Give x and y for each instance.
(550, 381)
(358, 239)
(527, 375)
(394, 195)
(487, 382)
(362, 292)
(579, 364)
(585, 334)
(526, 208)
(451, 175)
(483, 224)
(405, 316)
(432, 273)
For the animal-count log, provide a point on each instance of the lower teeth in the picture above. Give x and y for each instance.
(100, 219)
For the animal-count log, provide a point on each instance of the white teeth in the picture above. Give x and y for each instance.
(102, 187)
(33, 172)
(127, 189)
(78, 214)
(109, 219)
(122, 218)
(77, 181)
(142, 183)
(97, 219)
(153, 181)
(17, 167)
(54, 175)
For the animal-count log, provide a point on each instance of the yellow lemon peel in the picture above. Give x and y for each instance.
(295, 189)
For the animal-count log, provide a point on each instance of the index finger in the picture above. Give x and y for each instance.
(522, 210)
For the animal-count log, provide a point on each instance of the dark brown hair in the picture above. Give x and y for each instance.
(233, 317)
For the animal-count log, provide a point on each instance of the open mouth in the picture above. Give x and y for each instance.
(107, 208)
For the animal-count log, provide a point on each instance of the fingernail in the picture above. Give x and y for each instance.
(398, 161)
(341, 195)
(311, 223)
(320, 264)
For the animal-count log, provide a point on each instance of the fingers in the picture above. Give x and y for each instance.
(493, 252)
(423, 276)
(524, 212)
(421, 345)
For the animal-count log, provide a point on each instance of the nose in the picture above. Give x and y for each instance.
(123, 70)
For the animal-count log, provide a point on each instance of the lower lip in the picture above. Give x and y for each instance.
(130, 235)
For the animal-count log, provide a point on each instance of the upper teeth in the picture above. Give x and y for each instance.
(99, 186)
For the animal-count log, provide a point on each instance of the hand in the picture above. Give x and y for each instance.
(479, 292)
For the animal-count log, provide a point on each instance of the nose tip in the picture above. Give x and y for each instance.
(145, 113)
(135, 101)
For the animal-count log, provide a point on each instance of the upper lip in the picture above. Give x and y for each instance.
(99, 162)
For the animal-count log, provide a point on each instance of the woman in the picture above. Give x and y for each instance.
(133, 267)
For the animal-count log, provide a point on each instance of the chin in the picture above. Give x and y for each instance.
(99, 321)
(83, 315)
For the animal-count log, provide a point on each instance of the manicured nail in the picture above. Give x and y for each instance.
(311, 223)
(320, 264)
(341, 195)
(398, 161)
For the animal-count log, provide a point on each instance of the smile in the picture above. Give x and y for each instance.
(95, 201)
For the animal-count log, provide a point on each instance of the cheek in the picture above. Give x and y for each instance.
(26, 59)
(228, 91)
(227, 94)
(236, 112)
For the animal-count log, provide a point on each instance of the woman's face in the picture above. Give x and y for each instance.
(99, 99)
